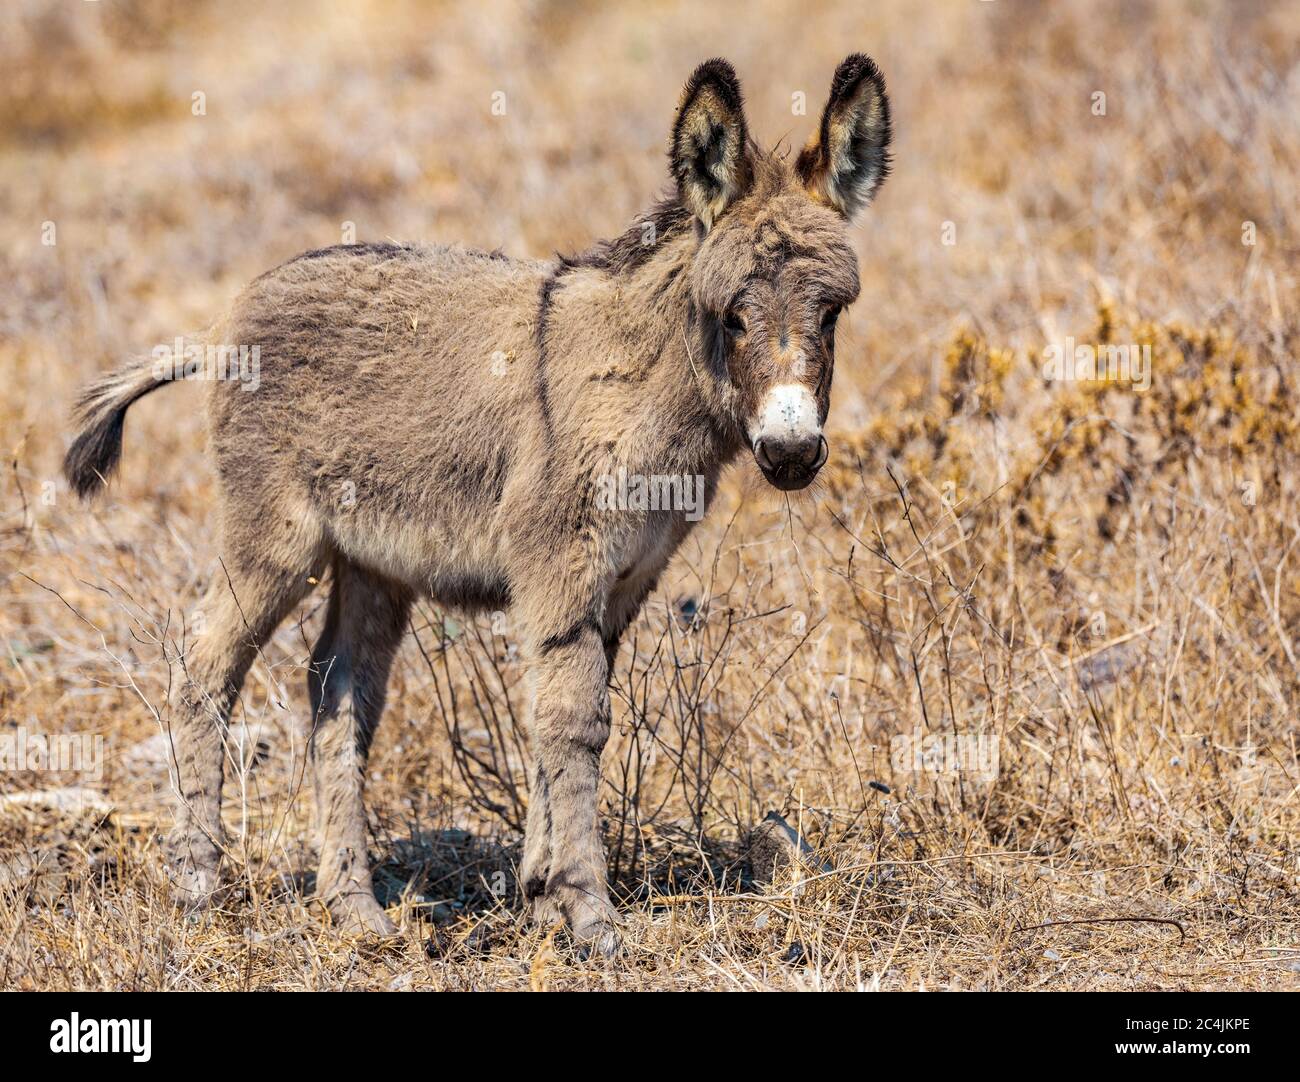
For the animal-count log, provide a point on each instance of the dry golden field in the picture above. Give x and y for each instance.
(1091, 587)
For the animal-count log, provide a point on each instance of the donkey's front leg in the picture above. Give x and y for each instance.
(570, 724)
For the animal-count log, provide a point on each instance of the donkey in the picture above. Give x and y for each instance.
(437, 421)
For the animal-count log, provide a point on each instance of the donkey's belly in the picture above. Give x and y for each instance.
(469, 592)
(456, 566)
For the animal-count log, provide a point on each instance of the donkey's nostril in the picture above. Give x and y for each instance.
(761, 447)
(823, 453)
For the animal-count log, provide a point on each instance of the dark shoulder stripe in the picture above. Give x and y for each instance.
(571, 636)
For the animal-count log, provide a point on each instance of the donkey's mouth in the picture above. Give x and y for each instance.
(788, 478)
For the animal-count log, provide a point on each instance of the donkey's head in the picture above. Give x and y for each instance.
(775, 268)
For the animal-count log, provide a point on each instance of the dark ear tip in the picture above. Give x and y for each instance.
(716, 68)
(854, 69)
(719, 74)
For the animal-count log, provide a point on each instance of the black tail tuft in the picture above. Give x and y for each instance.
(95, 452)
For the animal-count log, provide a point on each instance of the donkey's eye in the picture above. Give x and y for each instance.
(829, 318)
(733, 324)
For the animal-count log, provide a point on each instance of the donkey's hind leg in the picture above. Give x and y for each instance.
(251, 593)
(348, 681)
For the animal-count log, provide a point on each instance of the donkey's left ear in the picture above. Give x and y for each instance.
(847, 159)
(710, 145)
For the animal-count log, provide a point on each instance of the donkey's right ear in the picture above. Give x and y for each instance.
(710, 147)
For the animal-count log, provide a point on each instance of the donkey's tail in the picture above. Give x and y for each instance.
(101, 415)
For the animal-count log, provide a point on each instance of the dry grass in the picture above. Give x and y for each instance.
(1103, 582)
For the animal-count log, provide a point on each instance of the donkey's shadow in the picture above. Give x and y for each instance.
(449, 874)
(672, 859)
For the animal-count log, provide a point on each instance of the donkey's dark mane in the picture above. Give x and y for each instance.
(629, 250)
(623, 254)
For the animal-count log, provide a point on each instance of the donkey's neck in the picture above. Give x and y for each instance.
(634, 293)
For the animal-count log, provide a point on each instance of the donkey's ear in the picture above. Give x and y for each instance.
(710, 146)
(847, 159)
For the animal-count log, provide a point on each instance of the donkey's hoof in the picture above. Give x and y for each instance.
(594, 926)
(599, 939)
(546, 913)
(194, 884)
(360, 916)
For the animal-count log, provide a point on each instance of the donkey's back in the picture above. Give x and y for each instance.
(389, 410)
